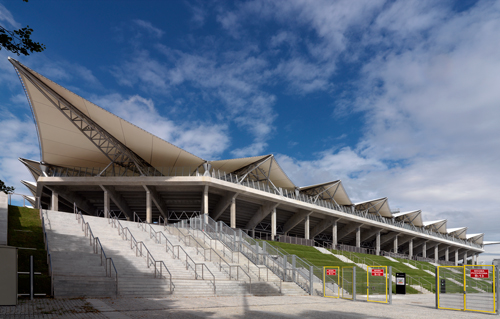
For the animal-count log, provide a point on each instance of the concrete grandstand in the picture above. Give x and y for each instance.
(105, 164)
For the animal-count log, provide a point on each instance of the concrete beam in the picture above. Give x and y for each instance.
(157, 200)
(369, 233)
(223, 204)
(322, 225)
(118, 200)
(260, 214)
(296, 219)
(347, 229)
(384, 239)
(80, 201)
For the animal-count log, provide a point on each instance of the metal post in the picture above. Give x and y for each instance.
(311, 280)
(354, 283)
(293, 268)
(437, 287)
(284, 265)
(390, 285)
(31, 277)
(497, 273)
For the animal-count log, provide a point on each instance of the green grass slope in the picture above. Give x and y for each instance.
(25, 230)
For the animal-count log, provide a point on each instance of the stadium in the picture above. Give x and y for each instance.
(102, 163)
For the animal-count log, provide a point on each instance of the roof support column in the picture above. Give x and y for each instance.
(424, 250)
(54, 203)
(456, 257)
(396, 244)
(306, 227)
(358, 236)
(232, 210)
(149, 208)
(465, 258)
(273, 223)
(474, 259)
(377, 244)
(410, 248)
(334, 235)
(447, 254)
(436, 253)
(205, 200)
(107, 206)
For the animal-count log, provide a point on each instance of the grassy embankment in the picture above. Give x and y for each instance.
(319, 259)
(25, 230)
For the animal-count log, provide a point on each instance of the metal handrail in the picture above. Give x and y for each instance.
(47, 249)
(97, 246)
(150, 260)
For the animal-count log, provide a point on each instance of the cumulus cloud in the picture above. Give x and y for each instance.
(148, 26)
(205, 140)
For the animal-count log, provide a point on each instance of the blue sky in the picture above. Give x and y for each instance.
(396, 98)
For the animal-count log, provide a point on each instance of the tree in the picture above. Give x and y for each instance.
(19, 41)
(6, 189)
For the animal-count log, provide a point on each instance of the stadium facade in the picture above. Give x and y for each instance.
(103, 163)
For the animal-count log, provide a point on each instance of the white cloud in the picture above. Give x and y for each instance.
(205, 140)
(6, 16)
(146, 25)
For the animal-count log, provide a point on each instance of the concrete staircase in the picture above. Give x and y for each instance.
(78, 271)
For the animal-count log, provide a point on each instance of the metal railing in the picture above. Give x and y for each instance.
(232, 178)
(97, 246)
(142, 251)
(47, 249)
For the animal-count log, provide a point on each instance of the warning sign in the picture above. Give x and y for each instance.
(479, 273)
(377, 272)
(331, 272)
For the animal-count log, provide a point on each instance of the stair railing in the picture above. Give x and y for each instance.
(47, 249)
(97, 247)
(141, 250)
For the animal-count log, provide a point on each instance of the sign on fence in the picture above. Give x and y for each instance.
(377, 272)
(480, 273)
(331, 272)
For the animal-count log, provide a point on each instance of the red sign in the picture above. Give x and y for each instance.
(377, 272)
(331, 272)
(479, 273)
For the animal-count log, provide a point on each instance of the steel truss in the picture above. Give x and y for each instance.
(254, 172)
(120, 156)
(322, 192)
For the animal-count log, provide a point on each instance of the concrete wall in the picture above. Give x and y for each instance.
(4, 207)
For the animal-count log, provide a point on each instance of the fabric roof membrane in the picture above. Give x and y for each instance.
(437, 225)
(380, 206)
(412, 217)
(326, 190)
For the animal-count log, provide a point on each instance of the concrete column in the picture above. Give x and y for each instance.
(465, 258)
(306, 227)
(474, 259)
(424, 250)
(410, 253)
(396, 244)
(54, 203)
(447, 254)
(273, 224)
(334, 235)
(358, 237)
(107, 206)
(377, 244)
(436, 254)
(456, 257)
(149, 208)
(205, 200)
(233, 212)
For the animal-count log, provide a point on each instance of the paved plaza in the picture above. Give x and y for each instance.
(410, 306)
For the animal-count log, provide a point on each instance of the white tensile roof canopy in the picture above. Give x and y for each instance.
(333, 191)
(412, 217)
(460, 232)
(63, 144)
(437, 225)
(375, 206)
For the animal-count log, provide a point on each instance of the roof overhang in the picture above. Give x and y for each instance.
(437, 225)
(375, 206)
(460, 232)
(412, 217)
(328, 191)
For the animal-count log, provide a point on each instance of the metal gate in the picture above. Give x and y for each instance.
(377, 283)
(348, 283)
(331, 284)
(467, 288)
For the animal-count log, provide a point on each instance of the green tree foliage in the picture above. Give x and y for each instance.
(19, 41)
(6, 189)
